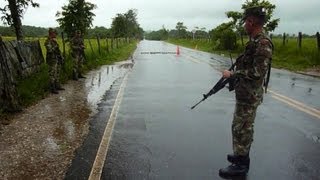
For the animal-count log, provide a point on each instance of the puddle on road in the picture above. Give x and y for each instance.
(100, 81)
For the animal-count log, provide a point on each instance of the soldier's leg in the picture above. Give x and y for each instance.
(242, 128)
(80, 66)
(57, 78)
(242, 134)
(75, 67)
(52, 74)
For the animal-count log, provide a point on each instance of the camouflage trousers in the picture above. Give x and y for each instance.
(78, 63)
(242, 128)
(54, 72)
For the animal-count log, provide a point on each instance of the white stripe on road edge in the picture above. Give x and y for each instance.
(98, 164)
(296, 104)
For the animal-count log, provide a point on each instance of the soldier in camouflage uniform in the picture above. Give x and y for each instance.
(77, 47)
(54, 61)
(249, 76)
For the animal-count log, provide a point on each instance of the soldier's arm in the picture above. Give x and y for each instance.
(74, 44)
(261, 59)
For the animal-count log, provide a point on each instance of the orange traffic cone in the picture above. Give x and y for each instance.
(178, 50)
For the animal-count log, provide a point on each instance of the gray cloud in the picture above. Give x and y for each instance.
(295, 15)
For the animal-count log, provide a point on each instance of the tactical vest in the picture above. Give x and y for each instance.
(251, 50)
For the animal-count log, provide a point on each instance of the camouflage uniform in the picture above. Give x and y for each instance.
(250, 75)
(77, 47)
(54, 61)
(249, 79)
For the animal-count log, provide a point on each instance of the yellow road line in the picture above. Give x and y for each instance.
(99, 161)
(192, 59)
(296, 104)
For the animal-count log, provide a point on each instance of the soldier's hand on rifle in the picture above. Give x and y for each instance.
(226, 74)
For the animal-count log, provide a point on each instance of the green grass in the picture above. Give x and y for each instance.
(30, 92)
(287, 56)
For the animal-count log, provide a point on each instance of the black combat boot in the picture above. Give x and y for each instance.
(233, 170)
(58, 86)
(239, 167)
(53, 89)
(81, 76)
(236, 158)
(75, 75)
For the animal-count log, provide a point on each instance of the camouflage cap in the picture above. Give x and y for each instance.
(257, 11)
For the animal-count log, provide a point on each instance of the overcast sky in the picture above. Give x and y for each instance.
(295, 15)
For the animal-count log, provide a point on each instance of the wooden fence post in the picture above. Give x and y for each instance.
(117, 42)
(91, 46)
(63, 45)
(318, 40)
(300, 39)
(107, 44)
(112, 43)
(99, 47)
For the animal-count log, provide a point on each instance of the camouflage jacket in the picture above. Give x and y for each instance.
(251, 70)
(77, 44)
(53, 51)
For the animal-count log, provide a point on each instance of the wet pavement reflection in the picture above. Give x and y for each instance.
(100, 81)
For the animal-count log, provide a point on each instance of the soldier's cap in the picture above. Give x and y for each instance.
(257, 11)
(52, 30)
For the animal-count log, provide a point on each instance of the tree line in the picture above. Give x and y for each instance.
(33, 31)
(225, 35)
(76, 15)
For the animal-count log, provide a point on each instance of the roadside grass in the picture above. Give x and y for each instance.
(36, 87)
(288, 56)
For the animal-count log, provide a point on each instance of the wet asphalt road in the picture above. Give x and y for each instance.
(157, 136)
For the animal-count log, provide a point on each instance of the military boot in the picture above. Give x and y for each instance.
(58, 86)
(81, 76)
(53, 89)
(237, 158)
(233, 170)
(75, 75)
(239, 166)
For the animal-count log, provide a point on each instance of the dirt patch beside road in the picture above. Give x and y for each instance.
(40, 141)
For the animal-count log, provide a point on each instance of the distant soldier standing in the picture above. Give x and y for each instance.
(54, 60)
(249, 76)
(77, 47)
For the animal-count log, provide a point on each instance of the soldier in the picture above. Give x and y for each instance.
(77, 47)
(54, 61)
(249, 76)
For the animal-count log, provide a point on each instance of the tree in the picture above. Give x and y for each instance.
(13, 12)
(126, 25)
(224, 37)
(132, 25)
(181, 30)
(77, 15)
(119, 26)
(271, 24)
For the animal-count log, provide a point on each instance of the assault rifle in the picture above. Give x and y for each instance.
(220, 84)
